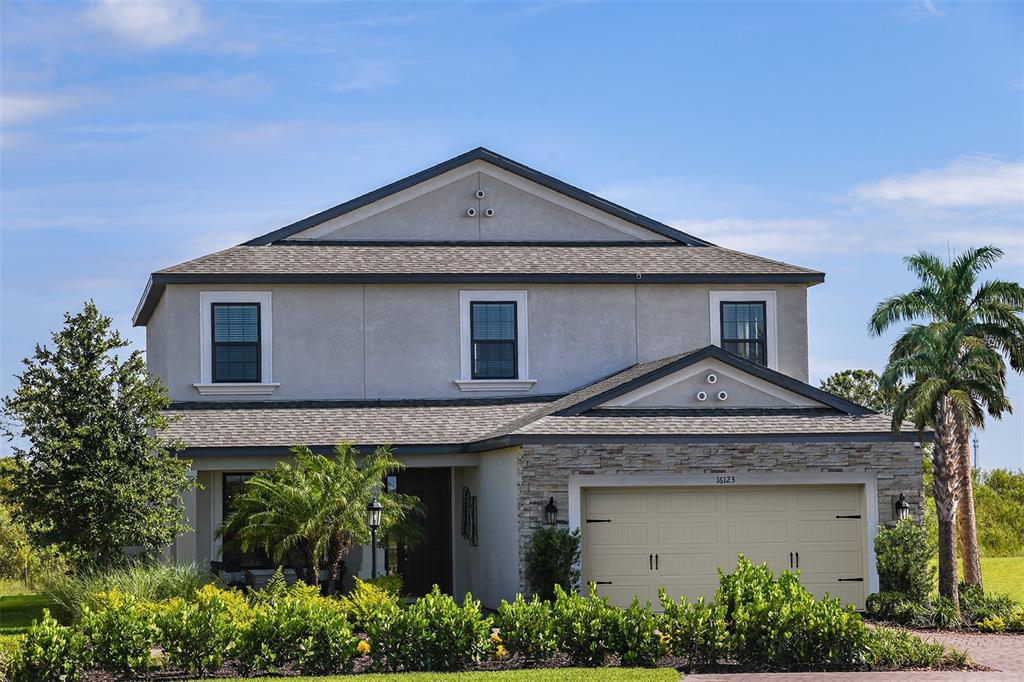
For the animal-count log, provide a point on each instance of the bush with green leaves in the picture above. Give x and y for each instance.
(891, 649)
(897, 608)
(778, 624)
(526, 628)
(584, 626)
(975, 604)
(944, 615)
(367, 603)
(51, 653)
(301, 628)
(903, 557)
(635, 637)
(120, 632)
(694, 631)
(197, 635)
(992, 624)
(434, 634)
(553, 559)
(392, 584)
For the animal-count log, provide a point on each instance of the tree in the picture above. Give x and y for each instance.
(861, 386)
(991, 314)
(97, 475)
(310, 512)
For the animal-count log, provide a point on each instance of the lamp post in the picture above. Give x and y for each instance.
(373, 511)
(551, 512)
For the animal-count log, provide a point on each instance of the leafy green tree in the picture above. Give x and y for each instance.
(1000, 499)
(963, 316)
(861, 386)
(310, 512)
(96, 475)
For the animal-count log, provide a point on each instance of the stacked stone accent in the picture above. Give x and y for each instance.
(544, 470)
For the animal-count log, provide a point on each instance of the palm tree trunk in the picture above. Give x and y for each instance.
(946, 485)
(968, 527)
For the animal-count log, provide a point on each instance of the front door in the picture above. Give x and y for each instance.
(430, 561)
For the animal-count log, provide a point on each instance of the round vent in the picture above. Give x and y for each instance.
(712, 378)
(722, 395)
(702, 396)
(489, 212)
(471, 212)
(480, 194)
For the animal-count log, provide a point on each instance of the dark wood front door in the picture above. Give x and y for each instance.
(430, 561)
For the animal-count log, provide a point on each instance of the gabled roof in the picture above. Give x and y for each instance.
(505, 163)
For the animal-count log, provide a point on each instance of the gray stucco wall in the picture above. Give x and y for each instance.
(544, 470)
(403, 341)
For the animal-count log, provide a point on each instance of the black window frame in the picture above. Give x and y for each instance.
(214, 343)
(514, 341)
(254, 559)
(763, 343)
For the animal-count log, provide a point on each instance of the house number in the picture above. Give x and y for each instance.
(725, 480)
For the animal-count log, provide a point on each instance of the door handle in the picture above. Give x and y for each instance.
(603, 582)
(650, 561)
(791, 560)
(798, 559)
(656, 562)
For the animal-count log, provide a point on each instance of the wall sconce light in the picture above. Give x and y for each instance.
(902, 508)
(551, 512)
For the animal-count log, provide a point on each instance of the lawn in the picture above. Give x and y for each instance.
(533, 675)
(1004, 575)
(19, 610)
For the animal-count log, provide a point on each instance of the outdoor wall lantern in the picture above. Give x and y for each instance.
(373, 511)
(902, 508)
(551, 512)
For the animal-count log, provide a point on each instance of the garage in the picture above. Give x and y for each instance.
(638, 539)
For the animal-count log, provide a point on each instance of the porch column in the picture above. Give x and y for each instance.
(185, 544)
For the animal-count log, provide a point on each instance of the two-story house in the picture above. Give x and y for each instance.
(527, 347)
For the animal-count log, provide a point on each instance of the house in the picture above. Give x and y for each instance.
(523, 343)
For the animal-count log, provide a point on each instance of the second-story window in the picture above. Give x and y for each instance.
(236, 356)
(744, 329)
(494, 343)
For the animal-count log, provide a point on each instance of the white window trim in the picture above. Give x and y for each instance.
(771, 323)
(467, 382)
(206, 386)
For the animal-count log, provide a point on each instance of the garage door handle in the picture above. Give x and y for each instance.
(650, 561)
(848, 516)
(798, 559)
(599, 520)
(791, 560)
(850, 580)
(656, 563)
(603, 582)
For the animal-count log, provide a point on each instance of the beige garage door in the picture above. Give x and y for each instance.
(638, 539)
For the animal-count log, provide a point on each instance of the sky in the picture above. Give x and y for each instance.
(836, 136)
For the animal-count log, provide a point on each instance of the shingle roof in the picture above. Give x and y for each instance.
(324, 423)
(491, 259)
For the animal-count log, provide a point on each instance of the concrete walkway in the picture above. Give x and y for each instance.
(999, 652)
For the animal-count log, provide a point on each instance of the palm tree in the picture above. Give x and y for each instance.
(312, 512)
(970, 315)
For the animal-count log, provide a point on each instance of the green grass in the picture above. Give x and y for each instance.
(18, 611)
(1003, 575)
(534, 675)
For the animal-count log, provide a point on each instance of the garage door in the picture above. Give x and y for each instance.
(637, 539)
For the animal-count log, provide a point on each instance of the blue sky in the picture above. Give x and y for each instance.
(836, 136)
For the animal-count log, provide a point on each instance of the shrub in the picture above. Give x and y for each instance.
(367, 603)
(895, 607)
(392, 584)
(777, 623)
(584, 626)
(1016, 620)
(944, 614)
(10, 646)
(120, 633)
(903, 555)
(635, 637)
(977, 605)
(51, 653)
(300, 627)
(891, 649)
(145, 582)
(526, 629)
(993, 624)
(434, 633)
(196, 635)
(695, 631)
(552, 559)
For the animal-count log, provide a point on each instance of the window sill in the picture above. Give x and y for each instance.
(506, 385)
(236, 389)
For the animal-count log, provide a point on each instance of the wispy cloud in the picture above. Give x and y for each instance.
(148, 25)
(922, 9)
(805, 235)
(23, 108)
(366, 75)
(968, 182)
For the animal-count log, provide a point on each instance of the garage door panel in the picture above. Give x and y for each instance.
(755, 501)
(688, 532)
(838, 563)
(622, 593)
(619, 565)
(777, 560)
(837, 500)
(673, 565)
(754, 531)
(625, 502)
(848, 593)
(617, 533)
(694, 503)
(827, 530)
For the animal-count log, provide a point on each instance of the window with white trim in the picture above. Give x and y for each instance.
(744, 323)
(494, 348)
(235, 339)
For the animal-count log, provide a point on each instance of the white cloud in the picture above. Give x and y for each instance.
(968, 182)
(16, 109)
(150, 24)
(922, 9)
(805, 235)
(367, 75)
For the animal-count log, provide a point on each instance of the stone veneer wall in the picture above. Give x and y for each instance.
(544, 470)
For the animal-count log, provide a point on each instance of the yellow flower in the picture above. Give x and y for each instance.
(363, 647)
(501, 653)
(495, 638)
